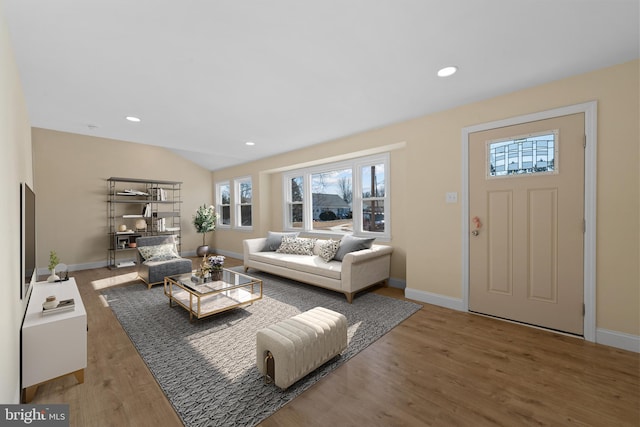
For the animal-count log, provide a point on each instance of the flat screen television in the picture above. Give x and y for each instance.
(27, 239)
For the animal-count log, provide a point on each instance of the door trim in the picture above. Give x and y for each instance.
(590, 110)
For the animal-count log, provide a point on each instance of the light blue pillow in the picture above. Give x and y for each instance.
(350, 243)
(274, 240)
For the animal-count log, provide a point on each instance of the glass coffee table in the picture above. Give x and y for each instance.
(202, 299)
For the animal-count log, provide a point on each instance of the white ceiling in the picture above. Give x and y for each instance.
(207, 76)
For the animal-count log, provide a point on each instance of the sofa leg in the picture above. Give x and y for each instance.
(349, 296)
(246, 269)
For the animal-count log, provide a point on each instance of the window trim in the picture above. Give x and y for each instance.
(218, 199)
(356, 164)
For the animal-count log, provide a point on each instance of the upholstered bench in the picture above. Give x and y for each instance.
(289, 350)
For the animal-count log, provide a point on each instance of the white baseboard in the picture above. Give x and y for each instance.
(228, 253)
(435, 299)
(618, 339)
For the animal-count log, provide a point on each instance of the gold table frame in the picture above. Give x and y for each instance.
(203, 299)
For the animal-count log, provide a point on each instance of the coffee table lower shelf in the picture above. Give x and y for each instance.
(218, 297)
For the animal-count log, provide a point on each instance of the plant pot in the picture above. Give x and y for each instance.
(202, 250)
(216, 275)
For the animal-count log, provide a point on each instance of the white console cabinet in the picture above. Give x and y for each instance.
(55, 344)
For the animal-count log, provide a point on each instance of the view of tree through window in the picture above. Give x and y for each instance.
(373, 193)
(245, 196)
(339, 198)
(295, 206)
(224, 207)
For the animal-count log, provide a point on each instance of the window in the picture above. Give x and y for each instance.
(294, 208)
(536, 153)
(324, 199)
(373, 192)
(223, 204)
(243, 201)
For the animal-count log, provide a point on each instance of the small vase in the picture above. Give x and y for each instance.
(216, 275)
(54, 277)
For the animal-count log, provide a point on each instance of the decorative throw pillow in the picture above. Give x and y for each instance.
(158, 252)
(274, 240)
(328, 249)
(350, 243)
(296, 246)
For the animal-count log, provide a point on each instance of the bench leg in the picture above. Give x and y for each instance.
(269, 369)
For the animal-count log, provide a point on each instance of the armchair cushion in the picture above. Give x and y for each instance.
(158, 252)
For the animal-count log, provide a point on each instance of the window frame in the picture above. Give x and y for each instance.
(356, 164)
(219, 204)
(237, 202)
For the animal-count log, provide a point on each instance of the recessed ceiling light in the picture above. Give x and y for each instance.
(447, 71)
(249, 143)
(132, 119)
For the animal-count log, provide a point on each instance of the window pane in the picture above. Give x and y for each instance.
(225, 194)
(331, 200)
(373, 181)
(373, 215)
(534, 154)
(296, 189)
(226, 215)
(245, 192)
(245, 215)
(295, 215)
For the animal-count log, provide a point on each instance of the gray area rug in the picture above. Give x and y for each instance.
(207, 368)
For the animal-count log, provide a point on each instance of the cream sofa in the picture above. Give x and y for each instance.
(357, 270)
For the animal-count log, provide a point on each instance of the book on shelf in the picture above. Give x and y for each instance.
(63, 305)
(146, 210)
(132, 193)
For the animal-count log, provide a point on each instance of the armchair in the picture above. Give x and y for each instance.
(160, 259)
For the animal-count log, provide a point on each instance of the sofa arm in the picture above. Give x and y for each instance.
(252, 246)
(364, 268)
(375, 251)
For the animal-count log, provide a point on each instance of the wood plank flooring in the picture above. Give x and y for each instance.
(438, 368)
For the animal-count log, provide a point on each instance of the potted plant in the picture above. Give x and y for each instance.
(204, 221)
(53, 261)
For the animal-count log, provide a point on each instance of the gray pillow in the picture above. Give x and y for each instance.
(274, 240)
(352, 244)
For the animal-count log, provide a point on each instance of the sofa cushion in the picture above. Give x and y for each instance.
(296, 245)
(302, 263)
(274, 240)
(269, 258)
(327, 249)
(315, 265)
(349, 243)
(158, 252)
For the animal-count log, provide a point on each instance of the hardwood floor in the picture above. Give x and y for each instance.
(440, 367)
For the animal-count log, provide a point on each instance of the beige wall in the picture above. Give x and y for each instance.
(426, 231)
(70, 173)
(15, 167)
(616, 89)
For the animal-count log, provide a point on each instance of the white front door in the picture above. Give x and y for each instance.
(526, 204)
